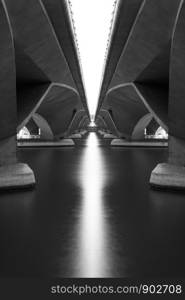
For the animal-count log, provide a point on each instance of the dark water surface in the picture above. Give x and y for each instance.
(92, 214)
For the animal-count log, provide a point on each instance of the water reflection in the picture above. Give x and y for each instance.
(92, 214)
(93, 259)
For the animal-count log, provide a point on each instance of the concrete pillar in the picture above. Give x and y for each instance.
(176, 151)
(46, 132)
(12, 173)
(172, 174)
(108, 119)
(8, 151)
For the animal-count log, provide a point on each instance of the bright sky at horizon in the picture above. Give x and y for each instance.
(92, 21)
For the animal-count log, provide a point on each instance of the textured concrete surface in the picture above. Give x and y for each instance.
(41, 82)
(168, 176)
(61, 143)
(144, 72)
(124, 143)
(108, 123)
(76, 122)
(8, 116)
(42, 66)
(109, 136)
(75, 136)
(136, 75)
(16, 176)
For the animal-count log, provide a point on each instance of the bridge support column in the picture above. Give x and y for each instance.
(12, 173)
(171, 174)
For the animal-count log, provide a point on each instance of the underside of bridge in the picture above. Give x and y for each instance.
(126, 167)
(41, 79)
(143, 79)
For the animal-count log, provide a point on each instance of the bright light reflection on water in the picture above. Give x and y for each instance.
(93, 259)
